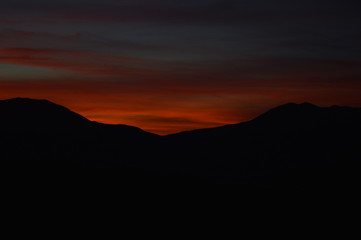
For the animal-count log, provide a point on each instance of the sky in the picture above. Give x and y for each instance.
(167, 66)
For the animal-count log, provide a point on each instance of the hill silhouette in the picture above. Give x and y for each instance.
(293, 146)
(42, 116)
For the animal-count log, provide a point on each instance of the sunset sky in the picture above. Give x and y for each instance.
(167, 66)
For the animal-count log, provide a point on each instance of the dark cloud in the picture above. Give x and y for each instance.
(220, 11)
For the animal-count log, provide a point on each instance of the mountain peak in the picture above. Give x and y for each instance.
(19, 101)
(290, 111)
(310, 105)
(305, 105)
(19, 115)
(37, 112)
(22, 99)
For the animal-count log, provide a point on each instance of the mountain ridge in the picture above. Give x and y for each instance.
(280, 113)
(42, 113)
(291, 145)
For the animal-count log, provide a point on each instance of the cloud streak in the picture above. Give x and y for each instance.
(74, 61)
(168, 66)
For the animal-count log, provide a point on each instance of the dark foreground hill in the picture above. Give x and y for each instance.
(293, 145)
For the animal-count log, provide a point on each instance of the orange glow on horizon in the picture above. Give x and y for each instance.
(165, 111)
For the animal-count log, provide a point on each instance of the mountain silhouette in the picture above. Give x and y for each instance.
(18, 109)
(42, 116)
(290, 146)
(293, 144)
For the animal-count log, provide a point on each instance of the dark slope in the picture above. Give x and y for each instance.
(286, 116)
(39, 133)
(23, 114)
(288, 145)
(41, 115)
